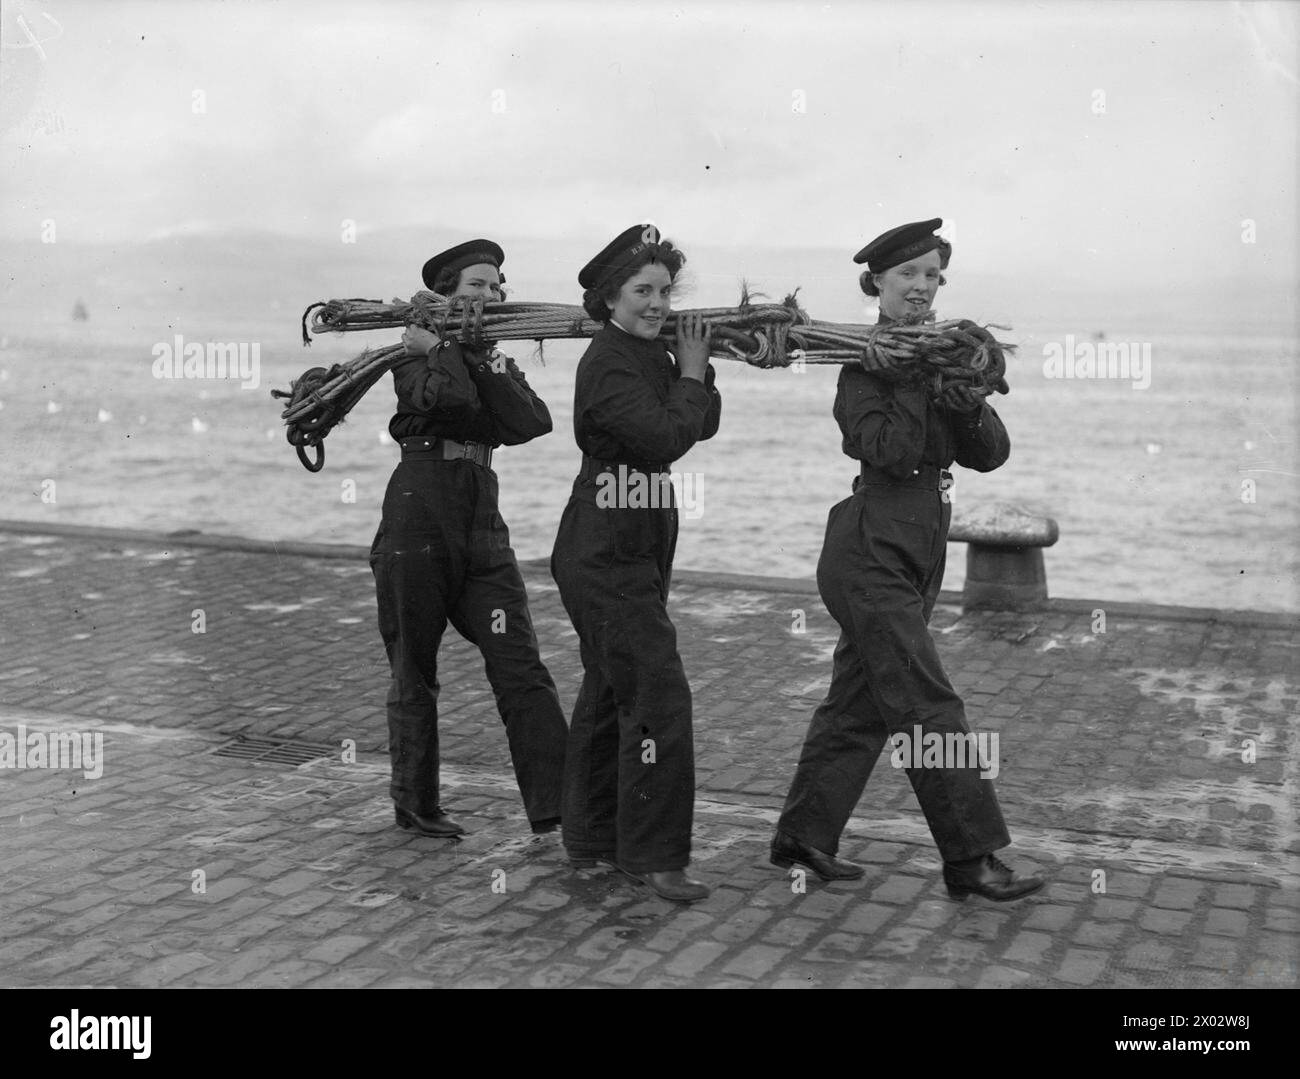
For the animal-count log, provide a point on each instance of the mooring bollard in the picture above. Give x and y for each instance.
(1004, 555)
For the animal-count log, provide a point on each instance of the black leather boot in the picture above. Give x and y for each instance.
(673, 884)
(989, 877)
(788, 851)
(440, 826)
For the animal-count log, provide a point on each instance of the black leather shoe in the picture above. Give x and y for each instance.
(439, 825)
(788, 851)
(673, 884)
(542, 827)
(987, 876)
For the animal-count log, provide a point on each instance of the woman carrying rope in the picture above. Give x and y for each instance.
(442, 553)
(629, 787)
(879, 575)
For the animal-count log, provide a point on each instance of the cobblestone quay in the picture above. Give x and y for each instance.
(1146, 766)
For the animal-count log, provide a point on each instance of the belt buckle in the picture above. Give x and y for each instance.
(946, 484)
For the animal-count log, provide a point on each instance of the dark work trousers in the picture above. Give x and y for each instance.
(442, 553)
(879, 575)
(629, 783)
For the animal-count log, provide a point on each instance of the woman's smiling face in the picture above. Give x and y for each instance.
(909, 288)
(644, 301)
(481, 282)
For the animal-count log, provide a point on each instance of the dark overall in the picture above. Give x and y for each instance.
(879, 575)
(629, 785)
(442, 554)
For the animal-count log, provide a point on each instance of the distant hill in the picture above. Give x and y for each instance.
(240, 275)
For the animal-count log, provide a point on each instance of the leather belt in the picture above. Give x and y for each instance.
(927, 476)
(445, 449)
(594, 466)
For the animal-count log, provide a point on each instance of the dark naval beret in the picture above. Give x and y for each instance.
(470, 253)
(896, 246)
(625, 248)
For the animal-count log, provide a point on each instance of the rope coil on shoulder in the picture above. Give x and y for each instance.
(765, 335)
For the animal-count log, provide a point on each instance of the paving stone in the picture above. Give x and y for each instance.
(741, 926)
(224, 887)
(980, 924)
(627, 967)
(1100, 934)
(867, 918)
(682, 928)
(348, 978)
(900, 941)
(821, 903)
(14, 951)
(169, 969)
(1165, 921)
(63, 963)
(957, 957)
(1049, 917)
(880, 853)
(1282, 920)
(79, 902)
(1217, 953)
(237, 970)
(899, 889)
(692, 959)
(1237, 896)
(554, 976)
(290, 972)
(1227, 923)
(335, 949)
(756, 961)
(791, 932)
(16, 926)
(1081, 966)
(1178, 893)
(1003, 978)
(294, 882)
(933, 913)
(1109, 907)
(1149, 955)
(1130, 885)
(1028, 948)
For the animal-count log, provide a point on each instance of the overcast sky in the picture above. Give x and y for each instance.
(1127, 141)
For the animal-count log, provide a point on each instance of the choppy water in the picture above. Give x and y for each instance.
(1147, 484)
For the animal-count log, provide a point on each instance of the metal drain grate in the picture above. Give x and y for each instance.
(249, 747)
